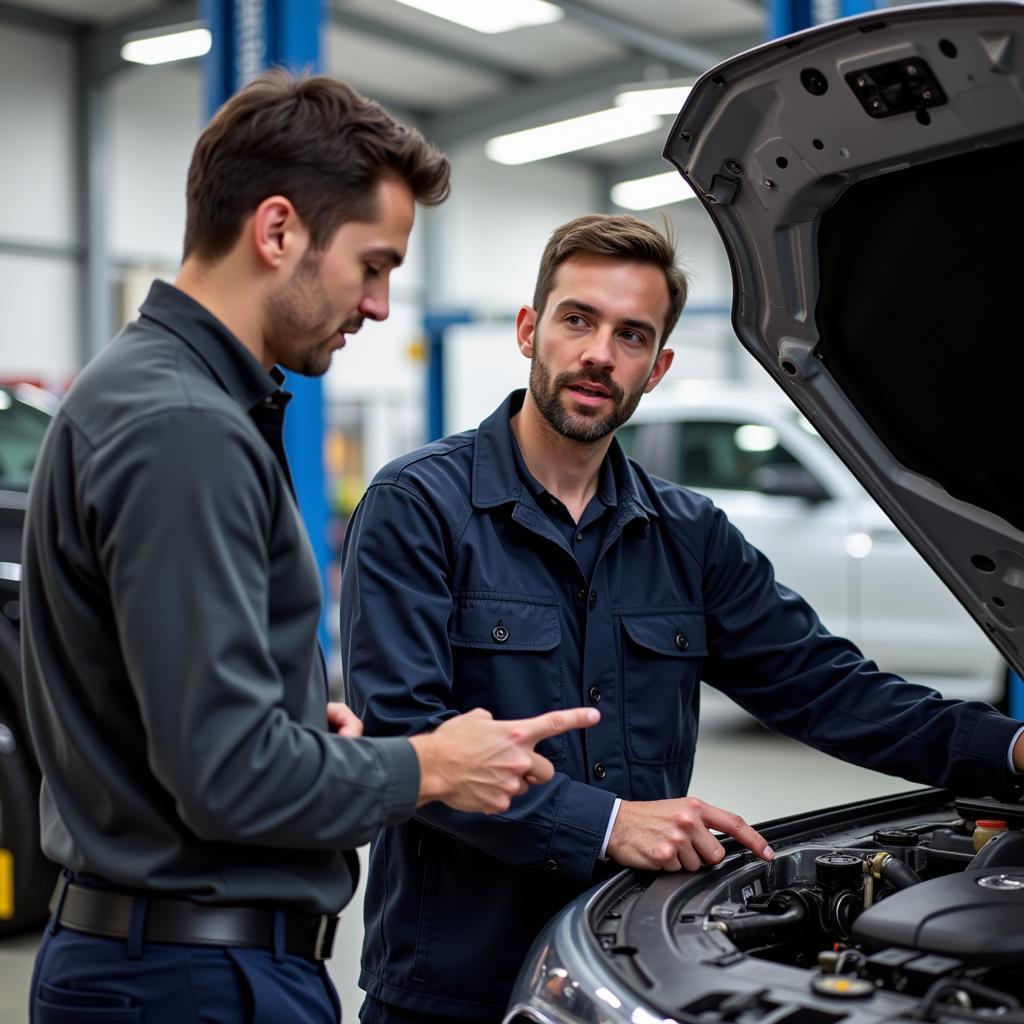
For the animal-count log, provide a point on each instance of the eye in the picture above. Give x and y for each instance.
(633, 338)
(575, 320)
(372, 270)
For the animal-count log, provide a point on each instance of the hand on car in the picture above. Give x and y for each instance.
(473, 763)
(673, 835)
(343, 720)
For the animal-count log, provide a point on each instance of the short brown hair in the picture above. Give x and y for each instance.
(623, 238)
(314, 140)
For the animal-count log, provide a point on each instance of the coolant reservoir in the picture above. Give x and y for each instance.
(986, 829)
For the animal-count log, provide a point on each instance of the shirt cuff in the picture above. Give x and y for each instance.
(1009, 755)
(603, 855)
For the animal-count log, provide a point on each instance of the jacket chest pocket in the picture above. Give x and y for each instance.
(661, 670)
(505, 659)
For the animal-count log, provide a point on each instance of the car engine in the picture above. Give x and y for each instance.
(911, 907)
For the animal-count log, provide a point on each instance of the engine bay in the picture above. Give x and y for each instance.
(870, 916)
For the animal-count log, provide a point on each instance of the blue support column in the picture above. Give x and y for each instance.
(1015, 696)
(849, 7)
(248, 37)
(435, 326)
(785, 16)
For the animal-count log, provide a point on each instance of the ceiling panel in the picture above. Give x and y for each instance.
(414, 80)
(455, 77)
(688, 19)
(542, 50)
(89, 11)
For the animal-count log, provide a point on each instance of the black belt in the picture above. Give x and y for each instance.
(99, 912)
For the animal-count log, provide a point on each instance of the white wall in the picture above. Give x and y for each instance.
(37, 137)
(38, 319)
(493, 229)
(156, 116)
(39, 312)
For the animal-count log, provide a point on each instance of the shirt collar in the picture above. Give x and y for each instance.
(607, 493)
(234, 366)
(497, 479)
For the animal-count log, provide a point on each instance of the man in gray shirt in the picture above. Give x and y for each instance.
(199, 790)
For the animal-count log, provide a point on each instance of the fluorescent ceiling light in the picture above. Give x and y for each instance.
(174, 43)
(490, 15)
(663, 100)
(657, 190)
(568, 136)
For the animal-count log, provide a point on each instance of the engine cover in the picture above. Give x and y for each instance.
(976, 916)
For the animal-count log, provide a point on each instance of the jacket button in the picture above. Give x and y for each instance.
(594, 694)
(600, 771)
(681, 642)
(581, 593)
(593, 598)
(500, 633)
(551, 865)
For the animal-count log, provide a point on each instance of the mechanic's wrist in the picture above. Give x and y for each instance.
(433, 780)
(620, 827)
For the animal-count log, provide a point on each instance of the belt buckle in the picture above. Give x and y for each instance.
(324, 941)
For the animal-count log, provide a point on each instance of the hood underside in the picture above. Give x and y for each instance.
(865, 177)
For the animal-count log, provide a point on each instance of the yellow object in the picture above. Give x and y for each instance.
(6, 885)
(986, 830)
(843, 987)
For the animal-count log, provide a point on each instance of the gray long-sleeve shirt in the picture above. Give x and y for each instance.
(175, 689)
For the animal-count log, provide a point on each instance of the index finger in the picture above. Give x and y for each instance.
(733, 825)
(553, 723)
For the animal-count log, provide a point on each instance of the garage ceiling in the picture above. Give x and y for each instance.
(460, 85)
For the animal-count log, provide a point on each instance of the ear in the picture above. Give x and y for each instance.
(661, 365)
(526, 328)
(279, 237)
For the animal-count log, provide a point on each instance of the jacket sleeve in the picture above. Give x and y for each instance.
(770, 653)
(396, 605)
(180, 518)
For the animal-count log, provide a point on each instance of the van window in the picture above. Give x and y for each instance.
(706, 454)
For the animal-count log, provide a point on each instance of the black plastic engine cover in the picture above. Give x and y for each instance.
(976, 916)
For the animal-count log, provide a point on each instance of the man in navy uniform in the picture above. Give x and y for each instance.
(528, 565)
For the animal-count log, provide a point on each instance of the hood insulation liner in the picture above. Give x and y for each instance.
(921, 317)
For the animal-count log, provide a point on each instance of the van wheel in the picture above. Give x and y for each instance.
(33, 874)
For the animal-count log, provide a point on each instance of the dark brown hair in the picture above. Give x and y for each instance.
(314, 140)
(623, 238)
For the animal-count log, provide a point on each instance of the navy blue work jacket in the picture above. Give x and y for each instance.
(458, 592)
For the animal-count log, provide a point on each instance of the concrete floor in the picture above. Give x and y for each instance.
(739, 767)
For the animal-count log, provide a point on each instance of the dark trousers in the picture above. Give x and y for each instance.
(86, 978)
(373, 1011)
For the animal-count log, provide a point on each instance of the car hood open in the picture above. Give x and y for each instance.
(866, 178)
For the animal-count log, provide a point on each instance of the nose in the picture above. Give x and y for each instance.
(374, 304)
(599, 351)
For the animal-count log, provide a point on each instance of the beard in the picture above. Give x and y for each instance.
(584, 426)
(299, 321)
